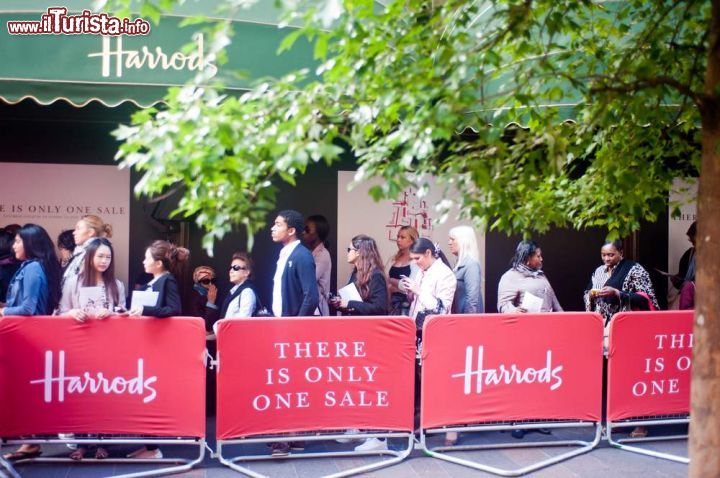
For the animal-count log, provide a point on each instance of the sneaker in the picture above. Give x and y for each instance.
(280, 449)
(372, 444)
(519, 433)
(145, 454)
(351, 431)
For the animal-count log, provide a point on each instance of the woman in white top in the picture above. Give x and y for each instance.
(98, 272)
(95, 292)
(433, 288)
(242, 299)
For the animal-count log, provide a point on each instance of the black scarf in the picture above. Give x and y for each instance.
(617, 278)
(245, 285)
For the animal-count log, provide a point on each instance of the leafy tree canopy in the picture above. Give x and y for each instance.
(475, 93)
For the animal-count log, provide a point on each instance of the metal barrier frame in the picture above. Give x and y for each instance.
(620, 443)
(4, 464)
(399, 456)
(437, 452)
(187, 464)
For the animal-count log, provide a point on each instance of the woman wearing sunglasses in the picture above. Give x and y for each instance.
(242, 299)
(203, 298)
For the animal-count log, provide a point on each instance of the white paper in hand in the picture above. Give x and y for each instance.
(350, 292)
(531, 303)
(142, 298)
(91, 298)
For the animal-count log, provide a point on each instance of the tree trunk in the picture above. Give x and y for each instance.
(705, 394)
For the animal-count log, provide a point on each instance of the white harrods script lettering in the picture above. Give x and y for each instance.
(93, 384)
(506, 375)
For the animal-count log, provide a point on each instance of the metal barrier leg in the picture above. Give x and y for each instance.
(185, 466)
(397, 456)
(620, 444)
(10, 470)
(585, 447)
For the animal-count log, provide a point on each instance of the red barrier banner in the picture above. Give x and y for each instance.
(503, 367)
(283, 375)
(649, 364)
(121, 375)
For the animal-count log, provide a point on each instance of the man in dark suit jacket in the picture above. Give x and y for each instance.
(295, 291)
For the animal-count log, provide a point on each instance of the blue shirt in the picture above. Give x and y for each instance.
(28, 293)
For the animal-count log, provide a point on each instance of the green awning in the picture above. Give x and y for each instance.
(139, 69)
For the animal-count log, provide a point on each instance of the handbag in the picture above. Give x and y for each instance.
(420, 318)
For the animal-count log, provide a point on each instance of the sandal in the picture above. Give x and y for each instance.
(20, 454)
(639, 432)
(101, 453)
(78, 454)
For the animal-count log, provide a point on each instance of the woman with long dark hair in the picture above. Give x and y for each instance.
(8, 262)
(35, 287)
(33, 290)
(86, 229)
(98, 271)
(369, 278)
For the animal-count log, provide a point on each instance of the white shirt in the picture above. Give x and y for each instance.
(242, 305)
(437, 282)
(277, 280)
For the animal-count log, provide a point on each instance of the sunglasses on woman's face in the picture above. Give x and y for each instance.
(206, 281)
(238, 268)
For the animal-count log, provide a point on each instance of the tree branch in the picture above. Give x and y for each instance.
(639, 85)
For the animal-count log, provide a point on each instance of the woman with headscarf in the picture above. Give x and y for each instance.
(525, 283)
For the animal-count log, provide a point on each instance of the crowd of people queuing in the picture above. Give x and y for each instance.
(418, 280)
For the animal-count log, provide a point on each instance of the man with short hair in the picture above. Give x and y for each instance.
(295, 291)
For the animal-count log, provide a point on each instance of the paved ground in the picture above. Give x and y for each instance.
(602, 462)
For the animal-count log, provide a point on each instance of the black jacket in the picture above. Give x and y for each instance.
(377, 301)
(168, 303)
